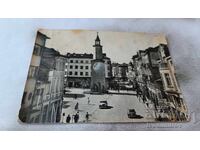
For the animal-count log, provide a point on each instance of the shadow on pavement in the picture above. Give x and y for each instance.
(73, 95)
(118, 93)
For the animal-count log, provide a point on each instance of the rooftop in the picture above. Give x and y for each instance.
(39, 33)
(79, 55)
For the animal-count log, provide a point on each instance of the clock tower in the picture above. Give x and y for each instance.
(98, 80)
(98, 48)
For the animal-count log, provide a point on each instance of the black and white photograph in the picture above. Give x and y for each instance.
(82, 76)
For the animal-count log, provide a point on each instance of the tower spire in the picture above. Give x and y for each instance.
(97, 38)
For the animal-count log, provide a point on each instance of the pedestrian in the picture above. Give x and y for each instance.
(76, 118)
(87, 116)
(68, 118)
(88, 100)
(159, 118)
(147, 104)
(144, 99)
(76, 106)
(118, 88)
(137, 93)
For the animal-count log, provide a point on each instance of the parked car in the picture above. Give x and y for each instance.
(104, 105)
(132, 114)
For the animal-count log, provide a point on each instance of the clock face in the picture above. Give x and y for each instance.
(98, 66)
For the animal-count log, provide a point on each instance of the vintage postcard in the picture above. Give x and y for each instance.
(79, 76)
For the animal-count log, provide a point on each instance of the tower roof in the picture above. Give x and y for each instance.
(97, 38)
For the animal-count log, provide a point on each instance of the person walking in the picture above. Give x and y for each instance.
(88, 100)
(76, 118)
(87, 116)
(144, 99)
(76, 106)
(68, 118)
(118, 88)
(147, 104)
(137, 93)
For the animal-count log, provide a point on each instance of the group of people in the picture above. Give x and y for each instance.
(75, 118)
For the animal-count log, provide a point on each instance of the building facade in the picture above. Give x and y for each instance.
(27, 97)
(120, 71)
(156, 81)
(43, 94)
(78, 70)
(173, 98)
(47, 103)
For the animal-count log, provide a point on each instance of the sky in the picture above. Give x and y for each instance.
(119, 46)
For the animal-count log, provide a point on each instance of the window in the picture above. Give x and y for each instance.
(71, 67)
(38, 92)
(81, 61)
(86, 67)
(86, 61)
(76, 73)
(76, 67)
(86, 73)
(168, 80)
(76, 61)
(81, 67)
(70, 73)
(71, 61)
(81, 73)
(33, 70)
(29, 96)
(37, 50)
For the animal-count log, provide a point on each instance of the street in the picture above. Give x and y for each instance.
(121, 103)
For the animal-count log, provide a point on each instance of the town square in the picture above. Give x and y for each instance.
(95, 77)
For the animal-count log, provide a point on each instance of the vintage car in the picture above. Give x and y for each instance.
(132, 114)
(104, 105)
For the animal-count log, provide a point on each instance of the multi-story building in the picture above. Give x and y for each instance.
(131, 73)
(78, 70)
(120, 71)
(175, 106)
(43, 94)
(155, 78)
(47, 103)
(32, 76)
(123, 69)
(139, 67)
(115, 70)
